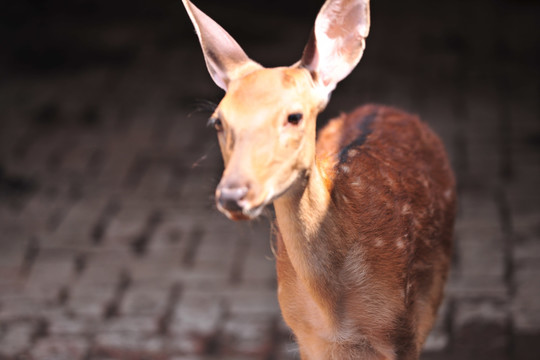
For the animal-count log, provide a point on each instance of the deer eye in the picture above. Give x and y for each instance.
(294, 118)
(216, 123)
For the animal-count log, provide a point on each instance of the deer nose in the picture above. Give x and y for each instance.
(230, 195)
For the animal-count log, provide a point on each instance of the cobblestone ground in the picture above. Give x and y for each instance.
(110, 245)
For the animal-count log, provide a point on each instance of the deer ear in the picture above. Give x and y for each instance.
(337, 41)
(224, 58)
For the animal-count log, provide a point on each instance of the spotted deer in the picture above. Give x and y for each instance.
(364, 214)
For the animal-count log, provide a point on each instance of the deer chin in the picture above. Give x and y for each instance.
(247, 212)
(237, 215)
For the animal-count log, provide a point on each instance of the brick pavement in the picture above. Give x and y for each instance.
(111, 247)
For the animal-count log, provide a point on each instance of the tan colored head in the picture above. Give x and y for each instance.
(267, 119)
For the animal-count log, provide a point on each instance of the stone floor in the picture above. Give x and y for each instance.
(110, 245)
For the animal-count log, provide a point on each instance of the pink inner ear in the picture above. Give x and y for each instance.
(326, 80)
(357, 19)
(337, 41)
(343, 24)
(223, 56)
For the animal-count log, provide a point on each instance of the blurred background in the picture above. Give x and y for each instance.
(110, 243)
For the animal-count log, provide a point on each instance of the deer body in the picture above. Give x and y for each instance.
(371, 273)
(365, 214)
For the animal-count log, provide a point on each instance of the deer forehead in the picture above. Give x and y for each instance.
(266, 93)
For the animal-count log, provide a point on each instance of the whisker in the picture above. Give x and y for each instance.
(206, 106)
(203, 106)
(198, 162)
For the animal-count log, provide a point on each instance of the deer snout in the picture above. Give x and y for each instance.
(230, 198)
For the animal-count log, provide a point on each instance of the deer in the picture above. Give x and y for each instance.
(364, 209)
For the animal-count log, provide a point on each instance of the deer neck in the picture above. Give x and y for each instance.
(302, 211)
(307, 227)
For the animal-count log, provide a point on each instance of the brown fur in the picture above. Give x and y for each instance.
(394, 201)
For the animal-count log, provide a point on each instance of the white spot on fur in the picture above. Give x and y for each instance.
(400, 243)
(406, 209)
(448, 194)
(353, 152)
(345, 168)
(378, 242)
(345, 198)
(358, 182)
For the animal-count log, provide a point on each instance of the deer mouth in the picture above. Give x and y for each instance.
(240, 214)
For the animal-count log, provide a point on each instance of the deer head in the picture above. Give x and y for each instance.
(266, 122)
